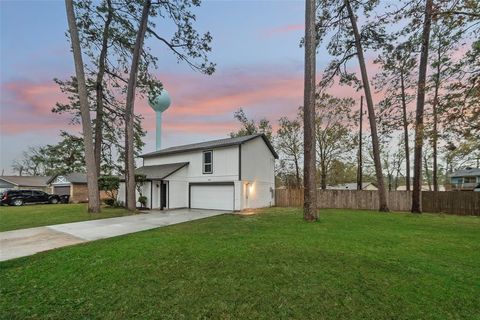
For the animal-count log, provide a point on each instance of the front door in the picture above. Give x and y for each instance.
(163, 195)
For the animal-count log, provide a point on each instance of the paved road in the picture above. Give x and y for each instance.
(25, 242)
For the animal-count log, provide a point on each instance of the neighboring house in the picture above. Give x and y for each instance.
(465, 180)
(425, 187)
(72, 184)
(227, 174)
(352, 186)
(24, 182)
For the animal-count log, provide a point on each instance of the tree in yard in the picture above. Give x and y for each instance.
(337, 19)
(99, 90)
(110, 185)
(108, 31)
(334, 136)
(186, 44)
(285, 174)
(396, 81)
(250, 126)
(310, 212)
(140, 180)
(360, 147)
(65, 157)
(341, 172)
(31, 163)
(445, 41)
(289, 142)
(393, 158)
(105, 38)
(465, 153)
(129, 109)
(93, 192)
(419, 128)
(462, 111)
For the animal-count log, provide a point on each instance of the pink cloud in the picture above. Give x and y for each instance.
(35, 97)
(200, 104)
(206, 104)
(26, 106)
(284, 29)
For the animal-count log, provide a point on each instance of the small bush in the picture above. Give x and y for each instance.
(143, 201)
(110, 202)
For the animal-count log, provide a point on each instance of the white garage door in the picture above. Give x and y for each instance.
(218, 197)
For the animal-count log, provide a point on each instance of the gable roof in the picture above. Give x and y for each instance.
(468, 172)
(74, 177)
(26, 181)
(211, 145)
(159, 172)
(350, 186)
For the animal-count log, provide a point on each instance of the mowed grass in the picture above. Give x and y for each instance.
(350, 265)
(29, 216)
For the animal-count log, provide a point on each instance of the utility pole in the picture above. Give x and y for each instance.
(359, 165)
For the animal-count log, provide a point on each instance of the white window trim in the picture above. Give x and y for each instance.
(207, 163)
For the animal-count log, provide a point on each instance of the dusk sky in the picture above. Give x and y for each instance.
(255, 46)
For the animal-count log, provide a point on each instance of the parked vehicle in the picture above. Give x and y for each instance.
(21, 197)
(477, 188)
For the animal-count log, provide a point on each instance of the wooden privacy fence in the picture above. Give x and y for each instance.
(452, 202)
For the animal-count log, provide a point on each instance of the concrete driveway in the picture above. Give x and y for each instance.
(25, 242)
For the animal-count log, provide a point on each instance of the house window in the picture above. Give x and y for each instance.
(208, 161)
(469, 179)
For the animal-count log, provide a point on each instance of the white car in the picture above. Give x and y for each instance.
(477, 188)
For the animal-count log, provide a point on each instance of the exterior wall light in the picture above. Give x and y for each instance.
(251, 189)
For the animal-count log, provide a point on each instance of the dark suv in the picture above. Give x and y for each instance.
(20, 197)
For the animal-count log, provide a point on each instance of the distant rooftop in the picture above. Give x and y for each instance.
(467, 172)
(26, 181)
(350, 186)
(210, 145)
(74, 177)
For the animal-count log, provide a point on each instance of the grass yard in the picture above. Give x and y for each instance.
(350, 265)
(29, 216)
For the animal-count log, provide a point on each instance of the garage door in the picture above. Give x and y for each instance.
(218, 197)
(61, 190)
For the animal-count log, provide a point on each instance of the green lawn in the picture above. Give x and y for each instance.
(350, 265)
(29, 216)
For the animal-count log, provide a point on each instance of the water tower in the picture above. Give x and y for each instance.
(159, 100)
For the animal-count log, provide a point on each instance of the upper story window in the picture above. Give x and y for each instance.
(208, 161)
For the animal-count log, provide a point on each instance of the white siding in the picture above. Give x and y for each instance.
(225, 164)
(178, 189)
(145, 191)
(254, 190)
(258, 177)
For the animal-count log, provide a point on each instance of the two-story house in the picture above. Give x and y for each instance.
(465, 180)
(228, 174)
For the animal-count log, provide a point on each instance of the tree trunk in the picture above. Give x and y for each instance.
(360, 136)
(310, 193)
(405, 134)
(427, 173)
(129, 110)
(383, 205)
(419, 129)
(297, 173)
(435, 140)
(435, 121)
(99, 89)
(323, 176)
(92, 181)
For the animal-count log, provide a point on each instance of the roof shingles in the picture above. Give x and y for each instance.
(210, 145)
